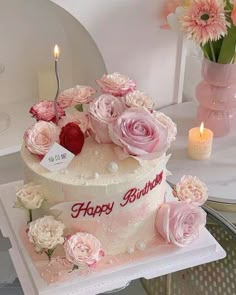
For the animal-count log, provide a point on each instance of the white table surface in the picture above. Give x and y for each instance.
(219, 172)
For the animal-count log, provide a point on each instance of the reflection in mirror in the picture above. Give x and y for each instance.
(29, 30)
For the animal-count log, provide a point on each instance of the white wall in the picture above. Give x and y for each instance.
(29, 30)
(129, 37)
(127, 34)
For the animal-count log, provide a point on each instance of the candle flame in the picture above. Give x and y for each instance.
(201, 129)
(56, 52)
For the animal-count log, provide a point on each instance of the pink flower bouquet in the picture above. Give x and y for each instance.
(211, 24)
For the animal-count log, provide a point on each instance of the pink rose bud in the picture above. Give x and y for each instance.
(180, 223)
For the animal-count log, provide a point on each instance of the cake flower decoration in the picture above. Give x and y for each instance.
(45, 111)
(116, 84)
(102, 112)
(76, 96)
(138, 99)
(30, 197)
(122, 116)
(40, 137)
(140, 134)
(72, 138)
(46, 234)
(179, 222)
(166, 121)
(80, 118)
(83, 249)
(192, 190)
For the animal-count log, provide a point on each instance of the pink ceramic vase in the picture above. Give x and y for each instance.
(216, 95)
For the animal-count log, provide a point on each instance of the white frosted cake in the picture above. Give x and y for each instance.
(96, 178)
(116, 200)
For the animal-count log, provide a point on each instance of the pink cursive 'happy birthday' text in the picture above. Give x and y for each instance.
(87, 209)
(134, 194)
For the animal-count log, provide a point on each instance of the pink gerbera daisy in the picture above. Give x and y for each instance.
(204, 20)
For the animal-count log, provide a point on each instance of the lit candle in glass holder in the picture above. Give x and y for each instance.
(200, 143)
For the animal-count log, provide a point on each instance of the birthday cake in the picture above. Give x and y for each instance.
(95, 176)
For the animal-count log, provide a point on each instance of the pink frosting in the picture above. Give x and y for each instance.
(116, 84)
(76, 95)
(192, 190)
(139, 134)
(102, 112)
(40, 137)
(180, 223)
(45, 111)
(83, 249)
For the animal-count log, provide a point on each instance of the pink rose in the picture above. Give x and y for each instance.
(45, 111)
(76, 117)
(192, 190)
(116, 84)
(76, 95)
(137, 99)
(102, 112)
(40, 137)
(166, 121)
(180, 223)
(139, 134)
(83, 249)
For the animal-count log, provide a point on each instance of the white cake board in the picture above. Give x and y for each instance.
(166, 260)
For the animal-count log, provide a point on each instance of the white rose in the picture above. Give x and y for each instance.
(192, 190)
(30, 196)
(46, 233)
(138, 99)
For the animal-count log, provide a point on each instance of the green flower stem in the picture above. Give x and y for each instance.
(205, 53)
(212, 51)
(30, 215)
(49, 253)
